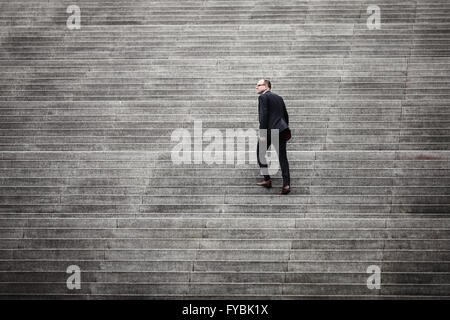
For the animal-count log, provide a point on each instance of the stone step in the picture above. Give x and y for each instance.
(297, 162)
(356, 155)
(224, 266)
(246, 222)
(20, 193)
(220, 255)
(229, 244)
(307, 185)
(221, 172)
(92, 136)
(225, 233)
(243, 38)
(302, 210)
(297, 46)
(102, 291)
(350, 142)
(226, 277)
(306, 146)
(121, 119)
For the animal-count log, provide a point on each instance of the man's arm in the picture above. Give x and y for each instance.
(286, 116)
(263, 112)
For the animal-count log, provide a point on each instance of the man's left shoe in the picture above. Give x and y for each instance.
(265, 184)
(285, 190)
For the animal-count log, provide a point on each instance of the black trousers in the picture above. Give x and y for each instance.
(282, 157)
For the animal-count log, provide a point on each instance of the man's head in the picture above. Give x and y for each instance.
(263, 85)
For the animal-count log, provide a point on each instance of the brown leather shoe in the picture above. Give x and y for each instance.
(285, 190)
(265, 184)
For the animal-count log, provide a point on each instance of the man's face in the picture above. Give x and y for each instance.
(260, 87)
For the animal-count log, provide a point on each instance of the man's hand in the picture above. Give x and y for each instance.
(262, 139)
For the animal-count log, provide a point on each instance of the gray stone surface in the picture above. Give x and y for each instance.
(86, 176)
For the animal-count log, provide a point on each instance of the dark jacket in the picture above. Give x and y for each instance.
(272, 112)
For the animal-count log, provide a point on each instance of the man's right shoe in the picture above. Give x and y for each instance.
(285, 190)
(265, 184)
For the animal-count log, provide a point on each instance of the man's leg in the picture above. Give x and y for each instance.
(282, 158)
(263, 166)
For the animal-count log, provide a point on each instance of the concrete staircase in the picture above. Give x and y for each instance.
(86, 176)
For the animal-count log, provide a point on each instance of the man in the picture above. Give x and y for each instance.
(272, 115)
